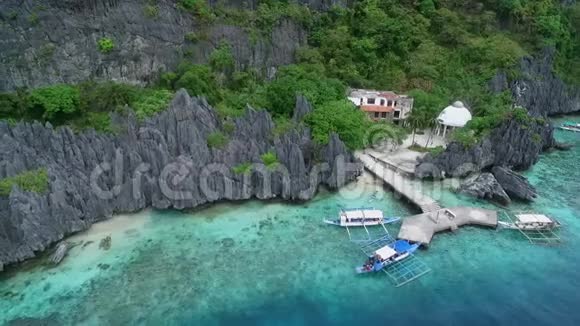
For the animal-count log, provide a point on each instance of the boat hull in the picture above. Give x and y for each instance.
(385, 220)
(570, 129)
(529, 227)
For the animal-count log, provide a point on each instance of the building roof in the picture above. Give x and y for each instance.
(366, 213)
(455, 115)
(358, 93)
(389, 95)
(385, 252)
(377, 108)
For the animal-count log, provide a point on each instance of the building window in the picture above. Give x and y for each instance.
(397, 114)
(382, 102)
(395, 104)
(370, 101)
(383, 115)
(376, 115)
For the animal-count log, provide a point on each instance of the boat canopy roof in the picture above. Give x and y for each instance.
(533, 218)
(385, 252)
(402, 246)
(362, 213)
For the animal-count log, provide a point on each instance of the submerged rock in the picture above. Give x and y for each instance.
(563, 146)
(52, 319)
(60, 252)
(103, 267)
(105, 243)
(228, 242)
(164, 162)
(514, 184)
(485, 186)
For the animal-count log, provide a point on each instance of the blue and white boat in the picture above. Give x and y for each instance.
(360, 217)
(387, 255)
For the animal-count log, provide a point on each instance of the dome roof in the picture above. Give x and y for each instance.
(455, 115)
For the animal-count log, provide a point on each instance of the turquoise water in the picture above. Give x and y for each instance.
(275, 264)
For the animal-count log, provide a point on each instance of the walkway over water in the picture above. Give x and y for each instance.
(402, 161)
(405, 186)
(421, 228)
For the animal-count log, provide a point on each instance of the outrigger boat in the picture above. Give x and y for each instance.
(527, 222)
(570, 126)
(387, 255)
(361, 217)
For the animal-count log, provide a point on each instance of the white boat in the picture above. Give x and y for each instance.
(531, 222)
(360, 217)
(570, 126)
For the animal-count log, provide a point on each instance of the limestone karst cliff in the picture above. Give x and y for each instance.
(513, 144)
(164, 162)
(44, 42)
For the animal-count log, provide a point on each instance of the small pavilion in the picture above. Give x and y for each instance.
(454, 116)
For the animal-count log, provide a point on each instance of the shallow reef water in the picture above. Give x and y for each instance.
(276, 264)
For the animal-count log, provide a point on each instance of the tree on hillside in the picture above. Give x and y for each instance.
(55, 102)
(306, 80)
(341, 117)
(222, 62)
(426, 108)
(199, 80)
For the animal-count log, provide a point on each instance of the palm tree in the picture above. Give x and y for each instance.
(428, 121)
(413, 122)
(417, 119)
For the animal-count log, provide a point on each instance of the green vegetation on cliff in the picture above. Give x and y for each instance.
(270, 160)
(217, 140)
(106, 45)
(86, 105)
(436, 50)
(31, 181)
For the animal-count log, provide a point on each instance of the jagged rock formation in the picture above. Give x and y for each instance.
(302, 108)
(485, 186)
(513, 144)
(164, 162)
(538, 89)
(515, 185)
(46, 42)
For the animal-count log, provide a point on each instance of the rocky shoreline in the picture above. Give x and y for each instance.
(164, 162)
(514, 145)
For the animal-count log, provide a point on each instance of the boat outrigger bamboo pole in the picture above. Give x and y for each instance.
(348, 231)
(384, 228)
(363, 224)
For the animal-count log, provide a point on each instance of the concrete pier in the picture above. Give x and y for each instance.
(399, 182)
(421, 228)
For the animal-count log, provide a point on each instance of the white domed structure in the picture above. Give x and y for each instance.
(454, 116)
